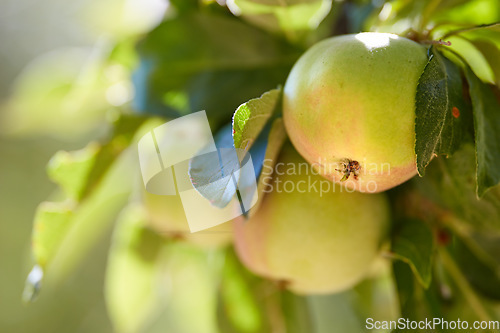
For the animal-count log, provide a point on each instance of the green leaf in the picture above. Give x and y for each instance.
(414, 244)
(208, 171)
(133, 294)
(439, 125)
(93, 216)
(64, 232)
(194, 55)
(62, 238)
(251, 117)
(292, 18)
(487, 132)
(255, 121)
(92, 179)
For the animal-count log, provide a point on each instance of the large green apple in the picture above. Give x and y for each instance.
(349, 108)
(315, 242)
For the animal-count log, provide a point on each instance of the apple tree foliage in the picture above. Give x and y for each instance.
(231, 60)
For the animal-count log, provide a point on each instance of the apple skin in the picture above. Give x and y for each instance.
(166, 216)
(314, 243)
(352, 98)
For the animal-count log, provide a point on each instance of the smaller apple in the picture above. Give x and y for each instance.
(316, 242)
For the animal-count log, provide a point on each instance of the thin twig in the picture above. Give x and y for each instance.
(464, 285)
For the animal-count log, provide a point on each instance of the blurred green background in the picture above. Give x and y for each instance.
(35, 33)
(65, 76)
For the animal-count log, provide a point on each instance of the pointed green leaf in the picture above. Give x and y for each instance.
(414, 244)
(251, 117)
(439, 125)
(250, 131)
(255, 121)
(94, 216)
(64, 232)
(486, 108)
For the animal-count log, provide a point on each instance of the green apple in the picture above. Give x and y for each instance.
(166, 216)
(313, 241)
(349, 108)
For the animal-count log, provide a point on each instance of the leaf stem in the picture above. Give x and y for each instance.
(464, 285)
